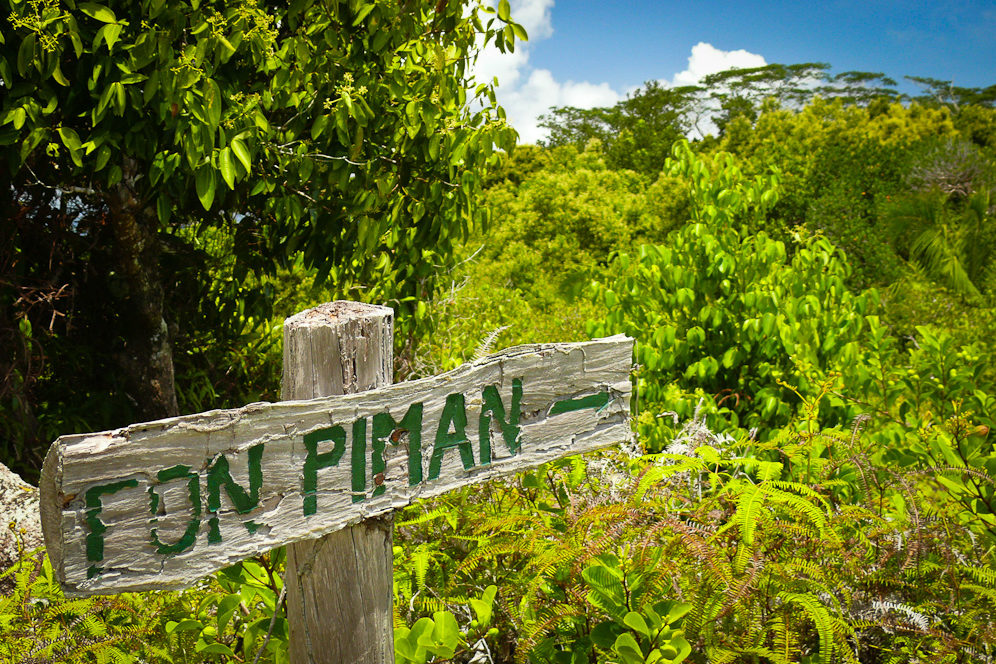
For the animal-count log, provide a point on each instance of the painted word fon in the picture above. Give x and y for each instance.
(265, 475)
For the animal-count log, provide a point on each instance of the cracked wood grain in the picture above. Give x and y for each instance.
(161, 504)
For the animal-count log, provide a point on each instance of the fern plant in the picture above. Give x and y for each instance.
(236, 615)
(811, 546)
(40, 626)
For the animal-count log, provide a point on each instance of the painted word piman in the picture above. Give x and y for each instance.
(159, 504)
(450, 433)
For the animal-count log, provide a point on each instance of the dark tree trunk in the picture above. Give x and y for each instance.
(147, 356)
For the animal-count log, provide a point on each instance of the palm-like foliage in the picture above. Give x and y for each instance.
(950, 241)
(945, 224)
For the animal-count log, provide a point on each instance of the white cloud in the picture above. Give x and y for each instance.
(534, 16)
(524, 104)
(526, 93)
(707, 59)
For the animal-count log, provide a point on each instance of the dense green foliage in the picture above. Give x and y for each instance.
(814, 475)
(812, 292)
(160, 159)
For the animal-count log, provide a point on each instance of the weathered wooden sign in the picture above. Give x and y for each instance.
(161, 504)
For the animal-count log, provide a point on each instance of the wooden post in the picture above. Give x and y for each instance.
(339, 587)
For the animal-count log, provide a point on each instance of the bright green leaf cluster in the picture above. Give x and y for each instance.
(729, 311)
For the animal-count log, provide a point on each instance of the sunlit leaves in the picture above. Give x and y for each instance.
(98, 12)
(289, 113)
(723, 307)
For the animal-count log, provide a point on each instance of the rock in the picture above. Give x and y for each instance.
(20, 526)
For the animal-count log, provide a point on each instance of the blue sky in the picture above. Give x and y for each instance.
(589, 53)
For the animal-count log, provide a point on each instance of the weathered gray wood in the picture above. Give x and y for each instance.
(339, 587)
(154, 505)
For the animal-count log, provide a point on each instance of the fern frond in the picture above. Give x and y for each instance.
(988, 593)
(768, 654)
(847, 639)
(720, 655)
(546, 619)
(783, 638)
(820, 617)
(430, 604)
(954, 470)
(748, 513)
(810, 568)
(487, 342)
(739, 590)
(490, 553)
(982, 575)
(423, 518)
(912, 616)
(420, 561)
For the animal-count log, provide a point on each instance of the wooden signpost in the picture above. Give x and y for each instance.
(161, 504)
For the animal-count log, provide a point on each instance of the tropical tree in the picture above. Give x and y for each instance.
(637, 133)
(336, 134)
(741, 92)
(946, 93)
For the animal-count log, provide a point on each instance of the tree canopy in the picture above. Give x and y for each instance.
(636, 133)
(347, 136)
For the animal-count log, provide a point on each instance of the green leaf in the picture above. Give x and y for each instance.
(99, 12)
(69, 138)
(19, 116)
(77, 43)
(404, 650)
(226, 608)
(673, 611)
(163, 210)
(363, 13)
(637, 623)
(110, 34)
(446, 631)
(118, 100)
(215, 649)
(628, 648)
(318, 126)
(483, 607)
(5, 74)
(206, 186)
(129, 79)
(212, 102)
(151, 87)
(26, 55)
(227, 167)
(606, 633)
(421, 632)
(183, 626)
(241, 153)
(59, 77)
(504, 10)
